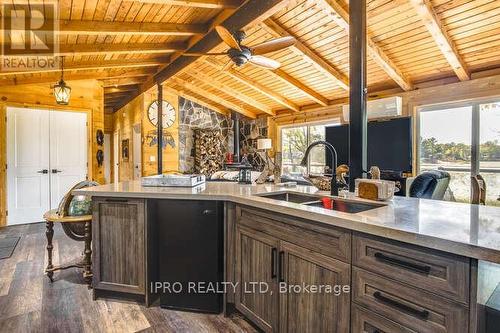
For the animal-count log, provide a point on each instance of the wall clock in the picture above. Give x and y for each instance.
(168, 114)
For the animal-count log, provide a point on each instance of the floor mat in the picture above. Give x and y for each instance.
(7, 246)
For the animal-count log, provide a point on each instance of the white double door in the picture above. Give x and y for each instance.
(46, 156)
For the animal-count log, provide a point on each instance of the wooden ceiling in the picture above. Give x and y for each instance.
(132, 44)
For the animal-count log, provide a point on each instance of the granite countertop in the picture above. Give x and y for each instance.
(463, 229)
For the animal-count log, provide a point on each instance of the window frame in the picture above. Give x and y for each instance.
(326, 123)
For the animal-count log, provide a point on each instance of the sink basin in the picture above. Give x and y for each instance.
(291, 197)
(346, 206)
(341, 205)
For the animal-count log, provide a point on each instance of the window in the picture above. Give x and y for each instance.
(294, 142)
(463, 140)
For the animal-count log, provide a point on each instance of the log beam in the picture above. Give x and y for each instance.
(340, 16)
(441, 37)
(275, 29)
(196, 89)
(129, 28)
(314, 96)
(207, 4)
(86, 65)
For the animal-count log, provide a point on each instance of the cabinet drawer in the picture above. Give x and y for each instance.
(438, 272)
(364, 320)
(413, 308)
(329, 241)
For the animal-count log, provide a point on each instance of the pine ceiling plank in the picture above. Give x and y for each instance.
(257, 87)
(122, 81)
(202, 100)
(231, 92)
(446, 45)
(130, 28)
(251, 12)
(313, 95)
(341, 17)
(108, 48)
(203, 92)
(308, 55)
(208, 4)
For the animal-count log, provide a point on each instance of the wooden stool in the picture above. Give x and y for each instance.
(52, 217)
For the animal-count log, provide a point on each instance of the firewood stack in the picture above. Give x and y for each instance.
(209, 151)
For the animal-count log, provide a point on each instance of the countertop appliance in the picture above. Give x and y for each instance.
(173, 180)
(190, 243)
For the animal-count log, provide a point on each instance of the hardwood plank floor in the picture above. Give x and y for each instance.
(30, 303)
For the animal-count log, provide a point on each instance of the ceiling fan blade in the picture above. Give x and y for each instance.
(264, 62)
(192, 54)
(273, 45)
(227, 37)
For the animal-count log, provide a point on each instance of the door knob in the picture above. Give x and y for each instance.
(43, 171)
(56, 171)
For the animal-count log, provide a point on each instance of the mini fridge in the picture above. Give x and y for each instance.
(190, 244)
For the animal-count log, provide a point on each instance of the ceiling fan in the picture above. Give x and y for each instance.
(241, 54)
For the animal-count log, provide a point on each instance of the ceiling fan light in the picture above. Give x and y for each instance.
(62, 93)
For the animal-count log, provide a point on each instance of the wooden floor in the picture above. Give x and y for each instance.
(30, 303)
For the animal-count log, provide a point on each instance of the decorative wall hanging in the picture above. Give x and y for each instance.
(99, 136)
(100, 157)
(125, 150)
(168, 139)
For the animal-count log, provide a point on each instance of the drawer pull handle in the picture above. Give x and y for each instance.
(274, 253)
(404, 264)
(207, 212)
(422, 314)
(282, 266)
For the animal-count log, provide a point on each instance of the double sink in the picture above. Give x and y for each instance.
(325, 202)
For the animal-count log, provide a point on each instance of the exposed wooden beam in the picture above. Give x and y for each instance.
(114, 90)
(209, 4)
(340, 16)
(106, 48)
(87, 65)
(122, 81)
(251, 12)
(196, 89)
(190, 96)
(229, 91)
(249, 82)
(300, 86)
(129, 28)
(307, 54)
(54, 77)
(441, 37)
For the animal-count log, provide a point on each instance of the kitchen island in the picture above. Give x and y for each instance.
(411, 264)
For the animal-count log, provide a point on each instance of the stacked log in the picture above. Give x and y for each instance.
(210, 151)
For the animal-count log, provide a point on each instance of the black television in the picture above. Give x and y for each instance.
(389, 144)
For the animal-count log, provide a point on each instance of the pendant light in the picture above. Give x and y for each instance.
(62, 91)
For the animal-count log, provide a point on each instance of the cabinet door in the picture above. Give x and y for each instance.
(256, 262)
(119, 234)
(308, 310)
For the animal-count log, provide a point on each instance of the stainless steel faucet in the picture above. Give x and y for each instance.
(334, 188)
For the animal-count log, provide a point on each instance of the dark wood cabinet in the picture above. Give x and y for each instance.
(315, 299)
(256, 261)
(289, 270)
(119, 254)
